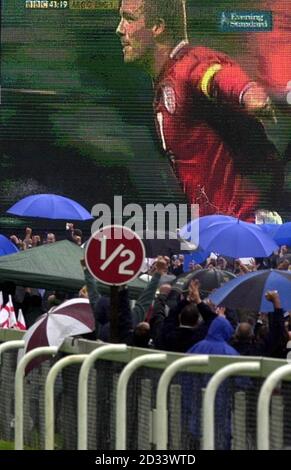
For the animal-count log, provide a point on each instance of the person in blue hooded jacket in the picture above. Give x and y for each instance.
(215, 342)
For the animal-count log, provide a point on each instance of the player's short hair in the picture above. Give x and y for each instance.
(173, 12)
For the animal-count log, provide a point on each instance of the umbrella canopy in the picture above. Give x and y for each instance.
(195, 226)
(270, 229)
(73, 317)
(6, 246)
(49, 206)
(164, 243)
(248, 291)
(237, 239)
(209, 279)
(281, 234)
(197, 257)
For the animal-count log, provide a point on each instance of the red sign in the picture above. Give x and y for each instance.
(114, 255)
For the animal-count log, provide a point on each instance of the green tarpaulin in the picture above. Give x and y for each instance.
(52, 266)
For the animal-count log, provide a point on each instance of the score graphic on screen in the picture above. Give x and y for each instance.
(46, 4)
(114, 255)
(72, 4)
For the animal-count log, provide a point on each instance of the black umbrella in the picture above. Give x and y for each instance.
(164, 243)
(209, 279)
(248, 291)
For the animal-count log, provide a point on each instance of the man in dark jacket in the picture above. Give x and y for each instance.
(128, 319)
(182, 327)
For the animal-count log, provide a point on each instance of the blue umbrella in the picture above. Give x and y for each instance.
(248, 291)
(280, 233)
(196, 226)
(49, 206)
(283, 234)
(198, 257)
(6, 246)
(270, 229)
(237, 239)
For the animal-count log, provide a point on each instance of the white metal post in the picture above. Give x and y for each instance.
(161, 421)
(20, 371)
(263, 420)
(121, 394)
(49, 396)
(83, 389)
(210, 394)
(8, 345)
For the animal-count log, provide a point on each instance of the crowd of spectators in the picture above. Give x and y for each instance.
(31, 240)
(176, 317)
(167, 317)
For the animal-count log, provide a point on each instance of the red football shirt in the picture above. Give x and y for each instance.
(192, 129)
(272, 50)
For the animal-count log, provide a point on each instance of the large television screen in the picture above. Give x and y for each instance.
(90, 114)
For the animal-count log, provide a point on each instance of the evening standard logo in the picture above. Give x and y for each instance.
(245, 21)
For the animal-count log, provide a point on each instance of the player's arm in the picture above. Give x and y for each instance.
(226, 82)
(256, 101)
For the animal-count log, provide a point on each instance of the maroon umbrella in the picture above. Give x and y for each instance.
(73, 317)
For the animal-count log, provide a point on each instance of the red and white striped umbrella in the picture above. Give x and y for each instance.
(73, 317)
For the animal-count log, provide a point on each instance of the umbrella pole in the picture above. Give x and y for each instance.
(114, 334)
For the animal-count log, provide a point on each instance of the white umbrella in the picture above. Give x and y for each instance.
(73, 317)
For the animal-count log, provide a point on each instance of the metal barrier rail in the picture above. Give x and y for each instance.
(210, 394)
(272, 369)
(83, 389)
(263, 420)
(121, 394)
(49, 396)
(161, 421)
(11, 345)
(19, 375)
